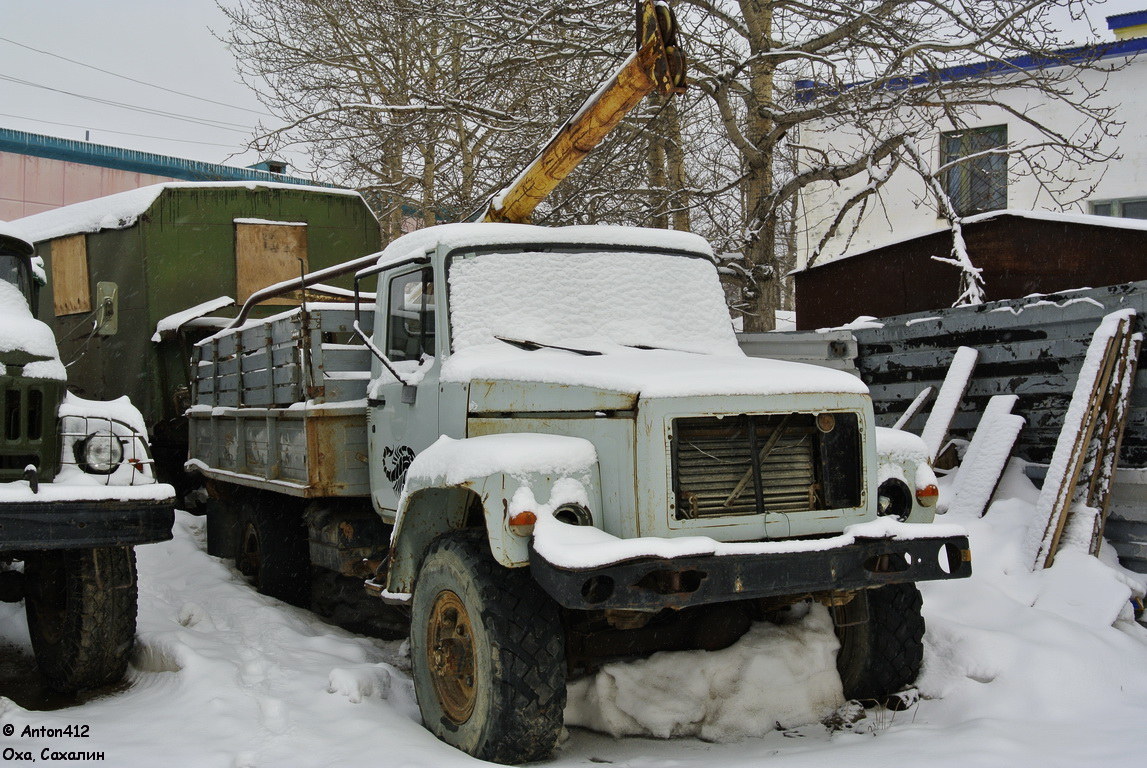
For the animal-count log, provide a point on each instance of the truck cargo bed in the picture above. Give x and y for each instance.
(280, 404)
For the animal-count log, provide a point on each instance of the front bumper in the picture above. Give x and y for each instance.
(652, 583)
(40, 525)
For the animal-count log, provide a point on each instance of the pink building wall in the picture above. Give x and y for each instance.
(31, 184)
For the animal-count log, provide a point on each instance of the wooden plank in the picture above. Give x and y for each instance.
(345, 359)
(266, 254)
(948, 400)
(987, 456)
(913, 408)
(1110, 439)
(1069, 458)
(71, 291)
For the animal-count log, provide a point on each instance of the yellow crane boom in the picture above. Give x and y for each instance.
(658, 64)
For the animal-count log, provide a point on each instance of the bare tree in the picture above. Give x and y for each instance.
(880, 75)
(427, 106)
(430, 107)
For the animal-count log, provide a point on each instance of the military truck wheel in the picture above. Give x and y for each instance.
(81, 606)
(487, 652)
(272, 551)
(881, 649)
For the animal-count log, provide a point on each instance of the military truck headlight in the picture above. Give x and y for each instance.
(99, 453)
(573, 514)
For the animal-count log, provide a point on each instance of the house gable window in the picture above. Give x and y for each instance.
(979, 183)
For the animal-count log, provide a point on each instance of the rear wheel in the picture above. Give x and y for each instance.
(272, 551)
(881, 648)
(487, 653)
(81, 607)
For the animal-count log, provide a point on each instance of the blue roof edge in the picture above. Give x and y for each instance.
(132, 160)
(1124, 20)
(808, 90)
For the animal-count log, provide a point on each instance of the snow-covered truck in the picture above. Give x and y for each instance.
(547, 445)
(77, 493)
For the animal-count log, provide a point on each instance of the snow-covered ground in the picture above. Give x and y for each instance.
(1021, 669)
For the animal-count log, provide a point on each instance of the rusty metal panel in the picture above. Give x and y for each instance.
(316, 454)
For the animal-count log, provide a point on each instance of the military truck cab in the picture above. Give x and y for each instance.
(77, 492)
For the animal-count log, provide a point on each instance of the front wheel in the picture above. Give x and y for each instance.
(81, 607)
(881, 641)
(488, 654)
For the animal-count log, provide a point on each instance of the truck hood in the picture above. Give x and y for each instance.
(25, 341)
(504, 378)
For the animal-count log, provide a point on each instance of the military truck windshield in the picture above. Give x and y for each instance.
(585, 298)
(14, 270)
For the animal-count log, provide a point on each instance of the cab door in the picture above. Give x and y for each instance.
(402, 418)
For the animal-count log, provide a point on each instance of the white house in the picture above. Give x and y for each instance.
(904, 209)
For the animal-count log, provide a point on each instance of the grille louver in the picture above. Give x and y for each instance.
(714, 476)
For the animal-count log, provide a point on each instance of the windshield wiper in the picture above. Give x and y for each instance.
(530, 346)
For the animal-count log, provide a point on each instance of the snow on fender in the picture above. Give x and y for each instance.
(903, 457)
(511, 473)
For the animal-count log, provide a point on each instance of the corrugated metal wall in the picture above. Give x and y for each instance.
(1032, 348)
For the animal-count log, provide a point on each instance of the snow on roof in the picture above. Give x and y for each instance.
(480, 234)
(122, 209)
(1111, 222)
(12, 233)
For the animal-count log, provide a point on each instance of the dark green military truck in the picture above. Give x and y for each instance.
(77, 492)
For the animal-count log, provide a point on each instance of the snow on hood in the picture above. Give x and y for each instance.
(483, 234)
(648, 372)
(122, 209)
(20, 332)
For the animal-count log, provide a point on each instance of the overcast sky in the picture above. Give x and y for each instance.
(165, 44)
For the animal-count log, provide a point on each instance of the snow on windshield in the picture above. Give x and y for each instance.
(635, 299)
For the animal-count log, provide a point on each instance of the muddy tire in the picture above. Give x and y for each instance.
(488, 654)
(880, 654)
(81, 606)
(272, 551)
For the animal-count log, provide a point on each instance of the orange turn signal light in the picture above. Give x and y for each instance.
(522, 523)
(927, 495)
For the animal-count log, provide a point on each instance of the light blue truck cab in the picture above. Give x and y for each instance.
(568, 458)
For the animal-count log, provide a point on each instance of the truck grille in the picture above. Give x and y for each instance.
(23, 414)
(27, 420)
(754, 464)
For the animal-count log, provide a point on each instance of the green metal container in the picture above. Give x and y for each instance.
(119, 265)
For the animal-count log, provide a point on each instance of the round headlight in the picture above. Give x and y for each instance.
(573, 514)
(99, 453)
(893, 498)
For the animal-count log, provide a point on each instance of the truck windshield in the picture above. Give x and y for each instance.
(589, 298)
(14, 270)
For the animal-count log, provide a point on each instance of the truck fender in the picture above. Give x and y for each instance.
(433, 504)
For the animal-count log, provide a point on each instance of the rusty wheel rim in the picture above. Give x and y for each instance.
(451, 656)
